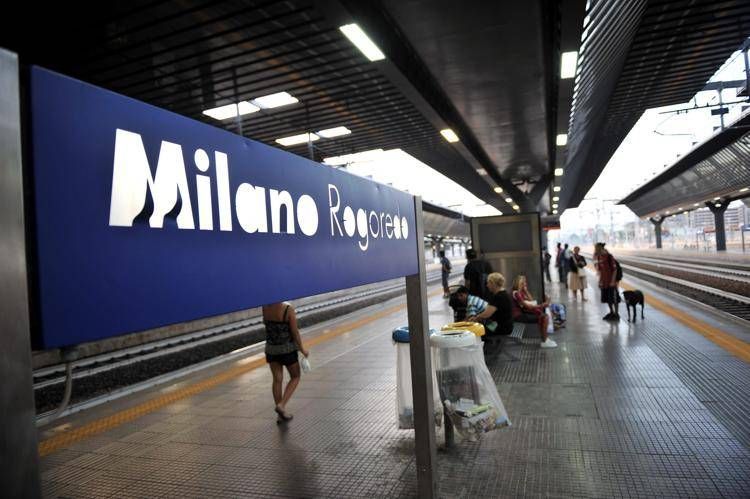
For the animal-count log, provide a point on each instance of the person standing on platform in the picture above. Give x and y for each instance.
(283, 341)
(475, 274)
(607, 268)
(445, 271)
(558, 263)
(565, 264)
(546, 259)
(577, 275)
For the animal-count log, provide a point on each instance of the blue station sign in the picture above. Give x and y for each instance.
(145, 218)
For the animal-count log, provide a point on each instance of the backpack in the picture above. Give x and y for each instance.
(618, 272)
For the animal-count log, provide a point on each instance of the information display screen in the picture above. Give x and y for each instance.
(506, 237)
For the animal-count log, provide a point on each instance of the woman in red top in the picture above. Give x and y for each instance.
(607, 268)
(527, 311)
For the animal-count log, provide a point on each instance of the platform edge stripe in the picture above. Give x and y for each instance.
(731, 344)
(101, 425)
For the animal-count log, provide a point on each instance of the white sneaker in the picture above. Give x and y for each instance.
(548, 344)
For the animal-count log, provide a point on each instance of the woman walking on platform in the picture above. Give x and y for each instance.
(282, 343)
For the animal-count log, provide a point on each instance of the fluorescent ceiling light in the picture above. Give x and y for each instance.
(293, 140)
(483, 172)
(558, 172)
(499, 190)
(562, 139)
(557, 188)
(358, 37)
(245, 107)
(231, 110)
(352, 158)
(449, 135)
(508, 200)
(222, 112)
(275, 100)
(696, 204)
(744, 189)
(717, 198)
(568, 64)
(338, 131)
(556, 198)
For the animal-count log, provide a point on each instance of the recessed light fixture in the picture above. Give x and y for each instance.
(231, 110)
(508, 200)
(562, 139)
(499, 190)
(717, 205)
(556, 198)
(557, 188)
(275, 100)
(293, 140)
(568, 64)
(667, 213)
(558, 172)
(554, 212)
(338, 131)
(358, 37)
(717, 198)
(449, 135)
(516, 207)
(483, 172)
(696, 204)
(555, 206)
(745, 189)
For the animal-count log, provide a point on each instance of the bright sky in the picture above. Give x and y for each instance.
(403, 171)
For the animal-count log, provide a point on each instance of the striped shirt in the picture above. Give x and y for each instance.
(474, 305)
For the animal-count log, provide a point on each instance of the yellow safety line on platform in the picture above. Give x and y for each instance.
(71, 436)
(730, 343)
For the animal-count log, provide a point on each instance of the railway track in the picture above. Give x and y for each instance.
(111, 375)
(723, 287)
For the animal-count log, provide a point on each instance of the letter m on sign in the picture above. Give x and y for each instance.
(131, 179)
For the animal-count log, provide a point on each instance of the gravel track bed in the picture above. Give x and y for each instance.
(730, 285)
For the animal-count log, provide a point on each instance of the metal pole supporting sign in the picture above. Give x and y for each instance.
(19, 472)
(421, 367)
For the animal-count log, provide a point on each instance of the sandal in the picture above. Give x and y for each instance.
(283, 416)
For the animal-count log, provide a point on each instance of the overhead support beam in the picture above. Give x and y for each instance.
(407, 72)
(718, 208)
(539, 189)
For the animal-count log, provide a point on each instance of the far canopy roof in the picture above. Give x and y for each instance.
(717, 168)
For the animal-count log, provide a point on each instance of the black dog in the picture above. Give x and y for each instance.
(633, 298)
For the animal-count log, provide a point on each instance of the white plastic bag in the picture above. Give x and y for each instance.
(469, 394)
(304, 363)
(404, 399)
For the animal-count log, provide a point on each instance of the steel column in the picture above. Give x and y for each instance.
(718, 210)
(421, 367)
(657, 230)
(18, 453)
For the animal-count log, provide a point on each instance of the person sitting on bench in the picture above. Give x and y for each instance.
(526, 310)
(497, 315)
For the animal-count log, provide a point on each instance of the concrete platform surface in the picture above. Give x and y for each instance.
(617, 410)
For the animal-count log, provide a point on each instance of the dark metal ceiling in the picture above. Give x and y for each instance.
(492, 76)
(637, 55)
(717, 168)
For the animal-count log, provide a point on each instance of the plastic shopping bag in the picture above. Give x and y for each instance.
(469, 393)
(304, 363)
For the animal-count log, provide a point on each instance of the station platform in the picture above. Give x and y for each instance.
(648, 409)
